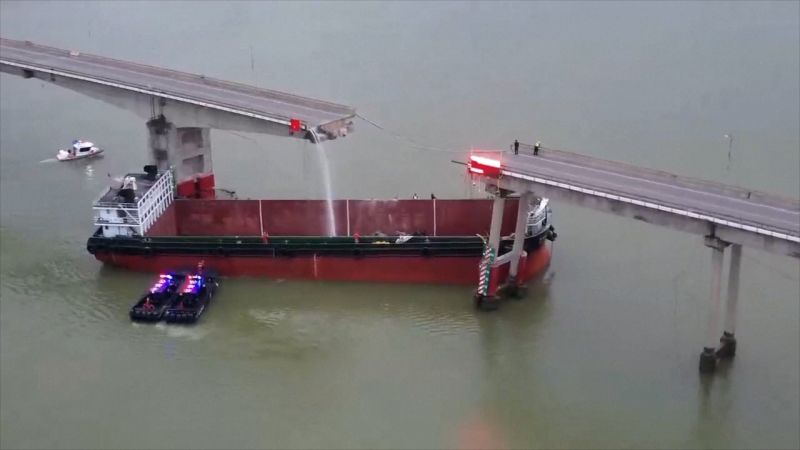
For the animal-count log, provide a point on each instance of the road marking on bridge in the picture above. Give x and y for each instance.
(650, 205)
(148, 92)
(653, 182)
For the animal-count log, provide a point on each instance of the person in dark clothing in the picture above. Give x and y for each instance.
(536, 148)
(433, 197)
(516, 147)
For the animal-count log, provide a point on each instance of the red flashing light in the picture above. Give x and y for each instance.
(481, 165)
(482, 160)
(294, 125)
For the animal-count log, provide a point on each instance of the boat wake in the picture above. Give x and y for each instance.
(192, 334)
(48, 160)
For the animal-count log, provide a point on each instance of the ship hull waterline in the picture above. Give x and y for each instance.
(284, 239)
(456, 270)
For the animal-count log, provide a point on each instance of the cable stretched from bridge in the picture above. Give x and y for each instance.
(407, 139)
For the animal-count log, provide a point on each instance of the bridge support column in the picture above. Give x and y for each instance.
(188, 150)
(513, 286)
(488, 301)
(708, 358)
(727, 343)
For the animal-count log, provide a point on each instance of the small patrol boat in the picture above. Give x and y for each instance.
(163, 293)
(193, 298)
(80, 149)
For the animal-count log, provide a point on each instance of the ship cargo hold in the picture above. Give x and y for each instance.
(142, 226)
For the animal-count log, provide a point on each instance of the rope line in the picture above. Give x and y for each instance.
(406, 139)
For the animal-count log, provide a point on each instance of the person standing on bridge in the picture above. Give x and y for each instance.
(516, 147)
(536, 148)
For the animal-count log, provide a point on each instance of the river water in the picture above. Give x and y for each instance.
(603, 352)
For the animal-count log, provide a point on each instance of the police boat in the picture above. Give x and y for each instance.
(151, 306)
(193, 298)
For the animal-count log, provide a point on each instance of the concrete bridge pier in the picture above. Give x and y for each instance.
(188, 150)
(513, 287)
(727, 347)
(709, 356)
(486, 296)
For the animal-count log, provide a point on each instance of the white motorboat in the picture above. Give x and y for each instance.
(80, 149)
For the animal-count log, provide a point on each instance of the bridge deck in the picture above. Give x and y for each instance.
(237, 98)
(778, 214)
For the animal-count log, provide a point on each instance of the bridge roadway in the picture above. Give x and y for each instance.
(268, 105)
(556, 173)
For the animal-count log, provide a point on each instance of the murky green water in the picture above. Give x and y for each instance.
(603, 352)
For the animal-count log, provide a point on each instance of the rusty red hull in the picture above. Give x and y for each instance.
(186, 221)
(404, 269)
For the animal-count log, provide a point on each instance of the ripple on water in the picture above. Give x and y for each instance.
(282, 332)
(61, 287)
(434, 315)
(188, 332)
(78, 289)
(269, 318)
(443, 322)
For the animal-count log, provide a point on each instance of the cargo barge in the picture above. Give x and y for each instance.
(143, 226)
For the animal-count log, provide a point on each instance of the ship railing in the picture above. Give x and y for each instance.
(155, 201)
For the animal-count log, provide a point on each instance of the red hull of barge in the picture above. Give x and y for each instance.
(400, 269)
(276, 218)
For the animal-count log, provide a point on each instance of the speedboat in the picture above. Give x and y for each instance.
(194, 296)
(80, 149)
(162, 295)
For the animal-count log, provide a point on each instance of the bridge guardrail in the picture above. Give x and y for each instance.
(150, 90)
(679, 180)
(276, 95)
(648, 202)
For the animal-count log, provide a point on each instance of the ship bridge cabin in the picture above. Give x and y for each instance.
(131, 208)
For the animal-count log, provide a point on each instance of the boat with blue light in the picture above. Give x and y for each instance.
(161, 295)
(193, 298)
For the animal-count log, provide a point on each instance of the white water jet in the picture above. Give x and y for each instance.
(326, 179)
